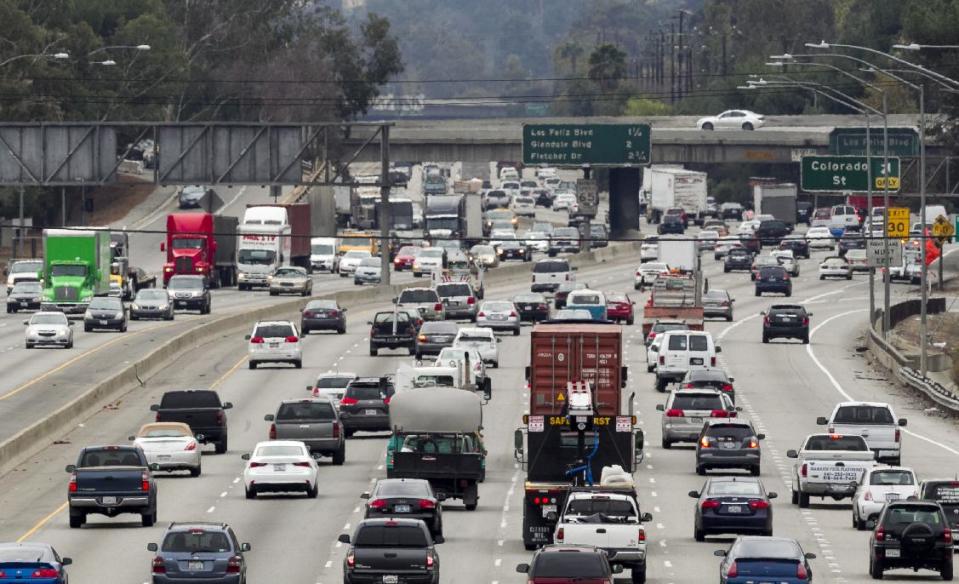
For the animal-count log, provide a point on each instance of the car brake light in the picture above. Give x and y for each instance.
(333, 313)
(144, 482)
(221, 417)
(292, 339)
(422, 338)
(348, 401)
(947, 535)
(302, 464)
(272, 431)
(898, 435)
(727, 387)
(805, 321)
(712, 361)
(427, 504)
(73, 483)
(481, 313)
(733, 571)
(804, 470)
(662, 360)
(704, 442)
(233, 565)
(257, 464)
(470, 300)
(641, 536)
(719, 414)
(336, 430)
(257, 340)
(191, 446)
(513, 314)
(429, 561)
(710, 504)
(674, 413)
(753, 443)
(560, 534)
(759, 504)
(542, 307)
(350, 560)
(386, 400)
(801, 572)
(880, 533)
(378, 504)
(688, 385)
(48, 573)
(438, 306)
(159, 567)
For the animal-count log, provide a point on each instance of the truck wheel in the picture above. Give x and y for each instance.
(221, 446)
(516, 332)
(638, 574)
(947, 570)
(148, 519)
(374, 351)
(28, 345)
(471, 497)
(77, 519)
(700, 470)
(803, 500)
(252, 364)
(630, 321)
(795, 498)
(667, 444)
(298, 364)
(754, 470)
(661, 384)
(339, 457)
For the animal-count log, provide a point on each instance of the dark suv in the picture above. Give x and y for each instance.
(789, 321)
(773, 279)
(384, 335)
(672, 224)
(366, 405)
(738, 259)
(391, 550)
(911, 534)
(566, 564)
(772, 231)
(798, 245)
(199, 552)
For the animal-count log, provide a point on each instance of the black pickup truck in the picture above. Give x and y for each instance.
(201, 410)
(111, 480)
(385, 334)
(397, 550)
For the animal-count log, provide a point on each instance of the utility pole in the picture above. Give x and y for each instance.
(63, 205)
(680, 74)
(384, 215)
(585, 242)
(18, 242)
(672, 63)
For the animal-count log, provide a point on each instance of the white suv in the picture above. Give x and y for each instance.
(483, 340)
(274, 341)
(549, 274)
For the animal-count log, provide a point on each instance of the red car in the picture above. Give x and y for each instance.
(566, 564)
(619, 307)
(405, 257)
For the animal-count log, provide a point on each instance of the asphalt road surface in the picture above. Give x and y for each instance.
(782, 386)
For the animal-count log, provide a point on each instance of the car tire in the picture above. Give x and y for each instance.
(795, 498)
(77, 519)
(251, 492)
(272, 293)
(638, 574)
(123, 329)
(758, 293)
(789, 293)
(134, 317)
(699, 535)
(947, 570)
(298, 363)
(708, 126)
(221, 446)
(69, 345)
(858, 522)
(313, 491)
(700, 470)
(755, 470)
(341, 331)
(339, 456)
(661, 384)
(148, 519)
(630, 321)
(195, 472)
(636, 287)
(875, 568)
(822, 277)
(418, 356)
(729, 318)
(87, 329)
(803, 500)
(725, 270)
(374, 351)
(667, 444)
(348, 432)
(28, 345)
(748, 127)
(516, 332)
(849, 277)
(805, 339)
(650, 368)
(252, 364)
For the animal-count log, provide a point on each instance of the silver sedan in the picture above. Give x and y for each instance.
(291, 280)
(48, 329)
(499, 315)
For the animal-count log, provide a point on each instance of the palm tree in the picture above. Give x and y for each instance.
(607, 65)
(570, 51)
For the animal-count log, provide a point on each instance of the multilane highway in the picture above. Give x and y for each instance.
(782, 387)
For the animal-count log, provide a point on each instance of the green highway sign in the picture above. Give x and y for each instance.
(852, 141)
(593, 144)
(846, 173)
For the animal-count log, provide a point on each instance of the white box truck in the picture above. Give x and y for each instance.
(679, 253)
(677, 187)
(776, 199)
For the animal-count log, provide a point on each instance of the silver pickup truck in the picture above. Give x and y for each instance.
(314, 422)
(829, 465)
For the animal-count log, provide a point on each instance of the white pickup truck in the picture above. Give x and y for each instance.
(875, 422)
(610, 520)
(829, 465)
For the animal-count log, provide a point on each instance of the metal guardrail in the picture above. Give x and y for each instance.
(933, 389)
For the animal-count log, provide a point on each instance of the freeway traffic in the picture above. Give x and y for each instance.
(781, 386)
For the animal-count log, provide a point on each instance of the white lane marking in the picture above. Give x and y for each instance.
(223, 494)
(498, 562)
(667, 563)
(839, 389)
(236, 480)
(356, 510)
(346, 527)
(653, 493)
(328, 564)
(239, 193)
(211, 509)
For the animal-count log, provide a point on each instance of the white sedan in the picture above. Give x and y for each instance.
(732, 120)
(820, 237)
(725, 244)
(280, 466)
(835, 267)
(647, 273)
(351, 260)
(879, 486)
(787, 261)
(481, 339)
(170, 445)
(537, 240)
(48, 329)
(649, 251)
(565, 201)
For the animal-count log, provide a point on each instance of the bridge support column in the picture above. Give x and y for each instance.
(624, 186)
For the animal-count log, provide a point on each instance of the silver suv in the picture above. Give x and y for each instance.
(425, 300)
(459, 300)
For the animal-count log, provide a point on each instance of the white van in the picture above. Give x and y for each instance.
(844, 216)
(323, 257)
(682, 351)
(548, 274)
(265, 215)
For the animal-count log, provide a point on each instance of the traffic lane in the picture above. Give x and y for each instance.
(239, 385)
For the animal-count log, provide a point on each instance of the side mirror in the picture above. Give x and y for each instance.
(247, 337)
(902, 421)
(71, 468)
(245, 547)
(439, 539)
(808, 314)
(720, 553)
(269, 417)
(518, 440)
(822, 421)
(365, 495)
(616, 568)
(499, 340)
(344, 538)
(762, 313)
(67, 561)
(647, 517)
(395, 299)
(639, 439)
(26, 322)
(575, 268)
(246, 456)
(552, 517)
(309, 388)
(441, 497)
(792, 454)
(200, 437)
(70, 323)
(369, 322)
(719, 349)
(154, 467)
(131, 437)
(150, 547)
(810, 556)
(227, 405)
(760, 436)
(522, 568)
(693, 494)
(660, 408)
(732, 380)
(772, 495)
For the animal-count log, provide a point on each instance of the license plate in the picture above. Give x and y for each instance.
(548, 509)
(892, 496)
(734, 508)
(164, 456)
(109, 500)
(390, 579)
(23, 303)
(401, 508)
(371, 412)
(695, 420)
(497, 317)
(890, 553)
(195, 566)
(279, 468)
(695, 361)
(274, 345)
(103, 322)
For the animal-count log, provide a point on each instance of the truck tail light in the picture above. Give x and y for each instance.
(257, 340)
(801, 572)
(719, 414)
(292, 339)
(159, 567)
(350, 560)
(898, 435)
(560, 534)
(804, 470)
(662, 359)
(470, 300)
(427, 504)
(689, 385)
(712, 361)
(336, 430)
(144, 482)
(765, 321)
(73, 483)
(438, 306)
(868, 496)
(221, 417)
(641, 536)
(348, 401)
(759, 504)
(272, 431)
(191, 446)
(233, 565)
(709, 504)
(947, 535)
(429, 561)
(157, 417)
(753, 443)
(674, 413)
(386, 400)
(378, 504)
(732, 571)
(805, 321)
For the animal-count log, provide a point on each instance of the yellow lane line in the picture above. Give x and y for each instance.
(42, 522)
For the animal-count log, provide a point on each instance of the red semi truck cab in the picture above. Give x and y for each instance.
(200, 244)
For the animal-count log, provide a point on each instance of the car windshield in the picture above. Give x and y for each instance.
(289, 273)
(605, 505)
(448, 290)
(892, 477)
(737, 432)
(356, 254)
(418, 296)
(550, 267)
(196, 541)
(188, 243)
(497, 306)
(164, 432)
(482, 250)
(661, 327)
(306, 410)
(110, 456)
(436, 252)
(48, 319)
(836, 442)
(863, 414)
(106, 303)
(715, 295)
(566, 233)
(766, 548)
(474, 339)
(188, 283)
(353, 241)
(733, 488)
(528, 298)
(835, 263)
(321, 249)
(152, 294)
(68, 270)
(906, 514)
(569, 566)
(26, 287)
(439, 328)
(279, 450)
(698, 402)
(190, 399)
(26, 267)
(262, 257)
(274, 331)
(586, 299)
(333, 382)
(771, 272)
(391, 536)
(400, 488)
(370, 262)
(322, 305)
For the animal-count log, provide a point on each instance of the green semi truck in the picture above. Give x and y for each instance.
(76, 268)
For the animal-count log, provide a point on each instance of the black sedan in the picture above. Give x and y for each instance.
(514, 250)
(434, 336)
(24, 296)
(798, 245)
(848, 242)
(732, 505)
(789, 321)
(532, 307)
(105, 312)
(323, 315)
(559, 297)
(738, 259)
(671, 224)
(151, 303)
(407, 498)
